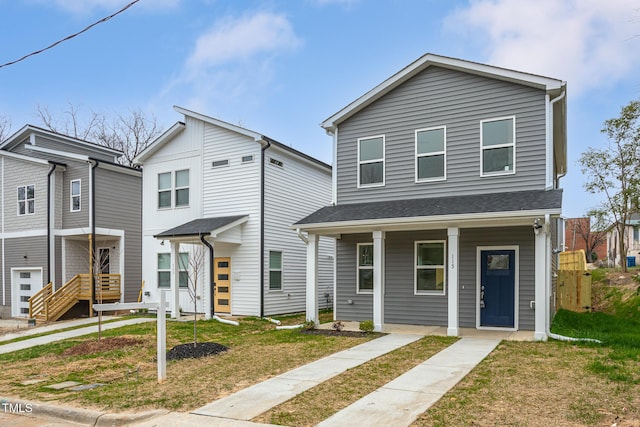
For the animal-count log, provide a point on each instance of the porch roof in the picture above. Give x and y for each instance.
(451, 208)
(203, 226)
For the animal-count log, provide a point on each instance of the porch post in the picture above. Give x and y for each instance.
(175, 279)
(540, 277)
(452, 280)
(378, 280)
(312, 278)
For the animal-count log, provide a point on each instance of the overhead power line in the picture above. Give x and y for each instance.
(71, 36)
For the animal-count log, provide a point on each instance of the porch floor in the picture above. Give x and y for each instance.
(441, 331)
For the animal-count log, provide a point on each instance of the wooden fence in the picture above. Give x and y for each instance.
(573, 290)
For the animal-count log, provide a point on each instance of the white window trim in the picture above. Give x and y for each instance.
(162, 270)
(358, 267)
(170, 190)
(222, 165)
(176, 188)
(281, 270)
(251, 160)
(383, 160)
(430, 267)
(482, 148)
(79, 195)
(26, 200)
(434, 153)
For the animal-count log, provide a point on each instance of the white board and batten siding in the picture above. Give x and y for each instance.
(229, 190)
(294, 189)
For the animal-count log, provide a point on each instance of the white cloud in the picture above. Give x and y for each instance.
(589, 43)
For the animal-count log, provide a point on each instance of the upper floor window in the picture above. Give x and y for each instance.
(164, 270)
(275, 270)
(371, 161)
(430, 267)
(498, 146)
(365, 268)
(182, 188)
(177, 183)
(74, 202)
(431, 154)
(26, 199)
(164, 190)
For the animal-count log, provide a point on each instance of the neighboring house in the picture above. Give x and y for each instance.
(446, 183)
(632, 241)
(65, 202)
(217, 191)
(575, 230)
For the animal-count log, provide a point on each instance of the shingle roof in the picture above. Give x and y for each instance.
(426, 207)
(199, 226)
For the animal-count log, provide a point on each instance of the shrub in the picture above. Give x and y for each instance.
(366, 326)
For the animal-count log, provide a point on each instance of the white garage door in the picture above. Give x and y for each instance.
(26, 282)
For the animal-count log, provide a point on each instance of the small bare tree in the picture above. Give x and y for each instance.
(195, 273)
(5, 128)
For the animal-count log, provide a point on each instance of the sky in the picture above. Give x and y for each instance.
(281, 67)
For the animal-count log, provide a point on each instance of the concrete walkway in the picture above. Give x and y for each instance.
(22, 329)
(59, 336)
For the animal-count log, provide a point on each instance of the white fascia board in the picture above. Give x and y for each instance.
(166, 136)
(23, 157)
(541, 82)
(73, 156)
(491, 219)
(225, 125)
(323, 167)
(229, 226)
(120, 169)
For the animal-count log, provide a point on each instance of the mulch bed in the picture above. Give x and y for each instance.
(104, 344)
(189, 351)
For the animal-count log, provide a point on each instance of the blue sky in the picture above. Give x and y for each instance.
(281, 67)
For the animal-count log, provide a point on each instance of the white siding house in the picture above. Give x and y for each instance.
(219, 191)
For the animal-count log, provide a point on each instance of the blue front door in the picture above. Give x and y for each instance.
(497, 288)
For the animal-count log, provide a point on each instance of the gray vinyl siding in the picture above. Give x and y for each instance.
(75, 170)
(21, 173)
(60, 145)
(15, 250)
(119, 207)
(470, 239)
(400, 303)
(442, 97)
(58, 280)
(294, 191)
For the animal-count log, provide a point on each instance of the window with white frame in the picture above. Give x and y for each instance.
(371, 161)
(26, 199)
(365, 268)
(275, 270)
(164, 190)
(164, 270)
(430, 267)
(431, 154)
(182, 188)
(498, 146)
(75, 187)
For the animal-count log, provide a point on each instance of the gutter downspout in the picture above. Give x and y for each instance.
(262, 175)
(51, 171)
(212, 285)
(93, 230)
(551, 138)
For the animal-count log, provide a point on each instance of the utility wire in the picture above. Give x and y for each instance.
(71, 36)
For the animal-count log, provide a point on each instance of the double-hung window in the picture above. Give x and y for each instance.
(431, 154)
(164, 190)
(164, 270)
(275, 270)
(26, 199)
(365, 268)
(74, 189)
(498, 146)
(430, 267)
(182, 188)
(371, 161)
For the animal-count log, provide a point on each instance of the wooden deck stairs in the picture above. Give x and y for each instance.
(48, 305)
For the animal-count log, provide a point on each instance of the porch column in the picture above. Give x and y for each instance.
(312, 278)
(540, 278)
(452, 280)
(175, 279)
(378, 280)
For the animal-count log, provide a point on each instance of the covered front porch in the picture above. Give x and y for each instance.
(436, 269)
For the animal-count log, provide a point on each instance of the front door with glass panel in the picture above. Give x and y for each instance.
(497, 288)
(222, 294)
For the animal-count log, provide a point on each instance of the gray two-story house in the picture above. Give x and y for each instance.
(70, 218)
(446, 195)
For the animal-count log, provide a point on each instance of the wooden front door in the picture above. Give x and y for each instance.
(222, 279)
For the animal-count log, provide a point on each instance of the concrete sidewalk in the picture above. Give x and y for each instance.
(59, 336)
(23, 330)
